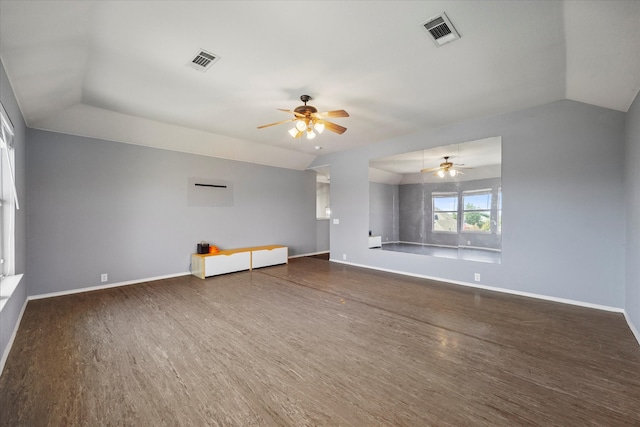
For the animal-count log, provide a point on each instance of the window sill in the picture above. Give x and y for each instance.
(7, 286)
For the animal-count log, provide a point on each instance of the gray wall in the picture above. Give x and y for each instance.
(562, 184)
(411, 227)
(106, 207)
(383, 211)
(11, 310)
(322, 235)
(632, 181)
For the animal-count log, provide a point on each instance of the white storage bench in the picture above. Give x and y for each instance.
(232, 260)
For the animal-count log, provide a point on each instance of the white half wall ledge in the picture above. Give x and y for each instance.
(88, 121)
(7, 286)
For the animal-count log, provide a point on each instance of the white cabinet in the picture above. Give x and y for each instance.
(375, 241)
(267, 257)
(229, 261)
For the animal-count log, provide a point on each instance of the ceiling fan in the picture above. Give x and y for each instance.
(445, 168)
(308, 120)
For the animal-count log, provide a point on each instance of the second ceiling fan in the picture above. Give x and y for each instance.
(309, 120)
(446, 168)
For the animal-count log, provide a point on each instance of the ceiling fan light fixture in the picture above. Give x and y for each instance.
(441, 173)
(308, 119)
(453, 172)
(301, 125)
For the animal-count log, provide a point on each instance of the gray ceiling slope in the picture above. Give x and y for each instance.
(117, 70)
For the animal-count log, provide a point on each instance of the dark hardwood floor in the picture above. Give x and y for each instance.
(317, 343)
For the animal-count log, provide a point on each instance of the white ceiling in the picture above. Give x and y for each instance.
(117, 70)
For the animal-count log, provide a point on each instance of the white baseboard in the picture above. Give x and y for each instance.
(309, 254)
(632, 327)
(99, 287)
(492, 288)
(7, 349)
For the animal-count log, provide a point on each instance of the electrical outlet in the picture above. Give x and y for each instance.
(104, 277)
(344, 257)
(476, 277)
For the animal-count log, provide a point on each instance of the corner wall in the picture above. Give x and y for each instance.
(632, 193)
(563, 204)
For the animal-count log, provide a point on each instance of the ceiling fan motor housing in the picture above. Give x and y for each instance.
(306, 110)
(307, 118)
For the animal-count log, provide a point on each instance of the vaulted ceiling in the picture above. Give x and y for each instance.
(118, 70)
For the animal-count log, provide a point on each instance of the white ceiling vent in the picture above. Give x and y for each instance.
(202, 60)
(440, 29)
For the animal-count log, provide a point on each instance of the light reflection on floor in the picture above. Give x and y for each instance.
(467, 254)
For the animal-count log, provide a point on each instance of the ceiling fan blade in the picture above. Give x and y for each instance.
(277, 123)
(333, 127)
(291, 111)
(429, 169)
(335, 113)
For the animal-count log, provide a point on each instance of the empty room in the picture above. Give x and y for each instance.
(320, 213)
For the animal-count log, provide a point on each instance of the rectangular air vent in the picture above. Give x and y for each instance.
(202, 60)
(440, 29)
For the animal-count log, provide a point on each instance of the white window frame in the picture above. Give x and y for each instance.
(464, 209)
(442, 195)
(8, 205)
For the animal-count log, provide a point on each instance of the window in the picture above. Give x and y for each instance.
(8, 197)
(477, 211)
(445, 212)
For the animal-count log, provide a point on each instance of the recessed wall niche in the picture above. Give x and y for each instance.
(444, 201)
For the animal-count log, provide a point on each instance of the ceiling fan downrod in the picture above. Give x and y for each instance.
(305, 98)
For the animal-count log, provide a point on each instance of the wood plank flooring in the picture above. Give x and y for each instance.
(317, 343)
